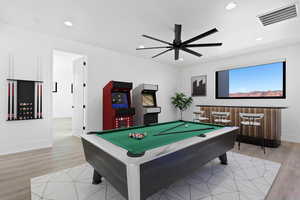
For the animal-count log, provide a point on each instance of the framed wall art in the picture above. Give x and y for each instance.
(199, 85)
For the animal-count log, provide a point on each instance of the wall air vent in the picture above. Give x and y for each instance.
(278, 15)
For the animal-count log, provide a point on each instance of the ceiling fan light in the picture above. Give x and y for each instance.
(141, 46)
(181, 59)
(231, 5)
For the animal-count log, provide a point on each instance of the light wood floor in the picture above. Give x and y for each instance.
(16, 170)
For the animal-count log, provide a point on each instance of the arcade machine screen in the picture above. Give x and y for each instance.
(119, 100)
(148, 100)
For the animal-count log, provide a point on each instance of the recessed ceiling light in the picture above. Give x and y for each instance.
(259, 39)
(231, 5)
(141, 46)
(68, 23)
(180, 59)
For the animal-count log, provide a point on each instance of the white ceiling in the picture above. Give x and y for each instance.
(118, 24)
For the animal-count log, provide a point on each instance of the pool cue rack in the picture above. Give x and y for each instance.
(25, 100)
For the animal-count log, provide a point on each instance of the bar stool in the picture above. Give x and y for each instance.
(221, 118)
(199, 116)
(253, 120)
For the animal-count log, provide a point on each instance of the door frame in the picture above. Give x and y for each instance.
(85, 88)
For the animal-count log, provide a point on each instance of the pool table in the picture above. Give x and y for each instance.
(140, 168)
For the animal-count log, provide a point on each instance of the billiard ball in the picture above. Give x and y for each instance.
(137, 135)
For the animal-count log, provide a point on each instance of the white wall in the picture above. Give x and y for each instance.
(26, 49)
(103, 66)
(63, 75)
(290, 117)
(131, 69)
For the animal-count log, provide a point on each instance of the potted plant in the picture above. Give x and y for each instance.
(182, 102)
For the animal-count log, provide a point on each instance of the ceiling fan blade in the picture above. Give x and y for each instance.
(161, 53)
(177, 31)
(176, 53)
(212, 31)
(152, 38)
(145, 48)
(204, 45)
(191, 51)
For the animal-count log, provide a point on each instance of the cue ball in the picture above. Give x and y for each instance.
(186, 125)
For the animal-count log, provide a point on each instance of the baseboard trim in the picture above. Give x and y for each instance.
(19, 148)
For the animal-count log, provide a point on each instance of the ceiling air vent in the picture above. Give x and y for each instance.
(279, 15)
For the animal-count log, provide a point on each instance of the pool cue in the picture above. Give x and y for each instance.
(37, 101)
(41, 103)
(15, 101)
(194, 130)
(12, 100)
(172, 128)
(39, 85)
(8, 114)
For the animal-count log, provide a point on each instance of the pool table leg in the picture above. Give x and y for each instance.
(223, 159)
(96, 178)
(134, 182)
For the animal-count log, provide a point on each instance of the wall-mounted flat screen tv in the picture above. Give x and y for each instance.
(260, 81)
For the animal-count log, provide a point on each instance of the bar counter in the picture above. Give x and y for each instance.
(271, 124)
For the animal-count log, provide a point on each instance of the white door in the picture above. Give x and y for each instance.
(79, 92)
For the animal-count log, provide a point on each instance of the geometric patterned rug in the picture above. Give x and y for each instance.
(244, 178)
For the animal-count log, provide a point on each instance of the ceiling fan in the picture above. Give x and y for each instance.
(179, 45)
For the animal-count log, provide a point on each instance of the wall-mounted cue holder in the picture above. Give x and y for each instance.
(25, 99)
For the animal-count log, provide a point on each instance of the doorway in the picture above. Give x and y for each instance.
(68, 94)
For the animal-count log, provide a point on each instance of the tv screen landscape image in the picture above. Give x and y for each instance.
(260, 81)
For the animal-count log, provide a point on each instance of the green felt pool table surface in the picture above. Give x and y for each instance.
(120, 137)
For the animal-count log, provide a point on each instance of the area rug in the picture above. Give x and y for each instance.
(244, 178)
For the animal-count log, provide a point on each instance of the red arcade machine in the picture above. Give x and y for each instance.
(117, 111)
